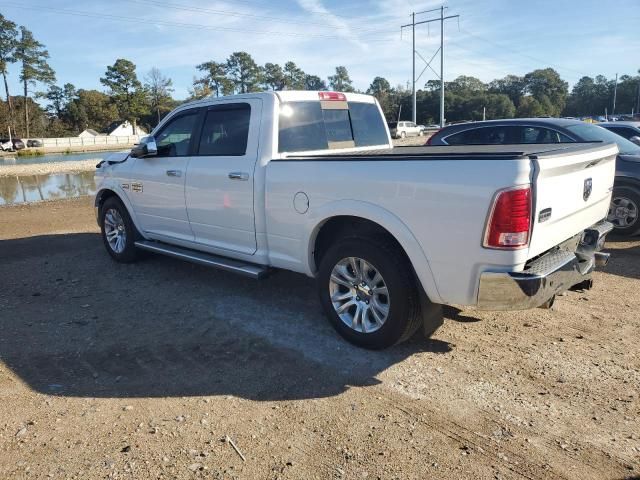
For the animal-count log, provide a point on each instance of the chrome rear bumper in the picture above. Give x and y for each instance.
(546, 276)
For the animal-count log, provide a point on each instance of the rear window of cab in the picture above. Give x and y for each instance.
(306, 126)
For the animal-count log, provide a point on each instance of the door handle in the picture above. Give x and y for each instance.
(174, 173)
(239, 176)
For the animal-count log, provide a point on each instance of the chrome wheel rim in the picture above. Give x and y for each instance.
(623, 212)
(359, 295)
(114, 230)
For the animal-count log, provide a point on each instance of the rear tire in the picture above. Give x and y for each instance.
(624, 211)
(118, 231)
(401, 302)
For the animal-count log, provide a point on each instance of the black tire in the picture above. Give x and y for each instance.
(404, 317)
(626, 194)
(129, 253)
(403, 134)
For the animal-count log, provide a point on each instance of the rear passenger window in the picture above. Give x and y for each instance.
(225, 130)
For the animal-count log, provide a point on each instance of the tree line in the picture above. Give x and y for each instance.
(69, 110)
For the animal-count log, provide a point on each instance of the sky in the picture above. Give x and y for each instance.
(490, 39)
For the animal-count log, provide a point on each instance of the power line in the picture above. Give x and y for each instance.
(229, 13)
(80, 13)
(496, 44)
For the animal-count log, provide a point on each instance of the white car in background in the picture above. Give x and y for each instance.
(405, 129)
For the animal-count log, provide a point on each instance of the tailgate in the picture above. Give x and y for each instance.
(572, 191)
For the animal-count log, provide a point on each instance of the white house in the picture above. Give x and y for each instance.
(123, 129)
(88, 133)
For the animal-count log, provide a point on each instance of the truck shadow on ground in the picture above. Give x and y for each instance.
(74, 323)
(625, 257)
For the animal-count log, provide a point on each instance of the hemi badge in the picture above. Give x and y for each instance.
(125, 186)
(544, 215)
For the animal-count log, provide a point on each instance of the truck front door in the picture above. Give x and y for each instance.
(157, 182)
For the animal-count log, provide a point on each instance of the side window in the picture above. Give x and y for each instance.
(173, 140)
(225, 130)
(625, 132)
(461, 138)
(541, 135)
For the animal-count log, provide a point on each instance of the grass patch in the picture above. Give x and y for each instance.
(30, 153)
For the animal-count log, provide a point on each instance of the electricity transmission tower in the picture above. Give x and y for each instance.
(413, 24)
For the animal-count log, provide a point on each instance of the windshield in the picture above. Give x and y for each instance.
(593, 133)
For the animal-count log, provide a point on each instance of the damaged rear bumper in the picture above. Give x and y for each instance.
(552, 273)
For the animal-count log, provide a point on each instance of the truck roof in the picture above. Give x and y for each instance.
(288, 96)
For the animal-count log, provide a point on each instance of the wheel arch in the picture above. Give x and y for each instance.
(627, 181)
(108, 192)
(360, 217)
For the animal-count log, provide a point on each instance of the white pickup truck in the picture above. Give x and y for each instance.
(309, 182)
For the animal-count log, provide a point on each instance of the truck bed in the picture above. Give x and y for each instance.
(458, 152)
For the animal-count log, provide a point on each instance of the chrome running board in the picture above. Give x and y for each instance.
(230, 265)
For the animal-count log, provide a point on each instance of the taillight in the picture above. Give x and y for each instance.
(510, 220)
(337, 96)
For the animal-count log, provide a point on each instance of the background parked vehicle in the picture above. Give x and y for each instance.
(629, 130)
(16, 143)
(34, 143)
(405, 129)
(5, 145)
(625, 203)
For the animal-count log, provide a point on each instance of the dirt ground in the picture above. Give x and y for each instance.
(142, 371)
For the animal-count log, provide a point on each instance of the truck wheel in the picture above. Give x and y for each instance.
(368, 292)
(624, 211)
(118, 232)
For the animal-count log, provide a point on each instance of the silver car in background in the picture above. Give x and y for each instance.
(405, 129)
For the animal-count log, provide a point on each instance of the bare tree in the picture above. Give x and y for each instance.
(159, 89)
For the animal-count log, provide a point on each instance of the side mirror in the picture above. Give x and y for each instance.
(146, 149)
(635, 139)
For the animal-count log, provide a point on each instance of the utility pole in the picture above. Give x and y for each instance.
(441, 66)
(413, 24)
(413, 75)
(615, 92)
(638, 96)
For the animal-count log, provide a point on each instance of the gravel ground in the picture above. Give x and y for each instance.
(143, 371)
(47, 168)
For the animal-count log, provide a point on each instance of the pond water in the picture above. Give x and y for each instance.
(36, 188)
(54, 157)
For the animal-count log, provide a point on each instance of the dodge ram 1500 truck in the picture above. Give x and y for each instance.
(310, 182)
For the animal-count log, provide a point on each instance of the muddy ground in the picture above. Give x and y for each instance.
(142, 371)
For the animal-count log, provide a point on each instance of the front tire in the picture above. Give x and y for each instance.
(118, 231)
(368, 292)
(624, 211)
(403, 134)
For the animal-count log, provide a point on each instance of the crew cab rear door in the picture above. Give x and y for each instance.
(572, 191)
(220, 177)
